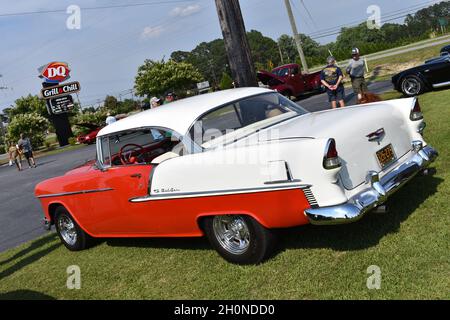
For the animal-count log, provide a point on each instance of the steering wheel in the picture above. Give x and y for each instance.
(126, 156)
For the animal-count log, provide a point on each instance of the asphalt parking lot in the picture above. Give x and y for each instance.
(20, 211)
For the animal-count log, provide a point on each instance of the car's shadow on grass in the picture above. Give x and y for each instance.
(161, 243)
(368, 231)
(36, 250)
(25, 295)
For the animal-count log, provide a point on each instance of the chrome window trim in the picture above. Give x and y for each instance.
(298, 107)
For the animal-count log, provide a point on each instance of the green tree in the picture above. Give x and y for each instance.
(31, 124)
(210, 59)
(264, 50)
(157, 77)
(111, 104)
(313, 52)
(28, 104)
(226, 82)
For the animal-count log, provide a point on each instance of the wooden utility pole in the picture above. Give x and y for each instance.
(297, 39)
(236, 44)
(281, 54)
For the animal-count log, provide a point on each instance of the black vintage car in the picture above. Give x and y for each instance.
(433, 74)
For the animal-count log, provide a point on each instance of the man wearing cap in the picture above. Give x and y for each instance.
(331, 77)
(170, 97)
(356, 69)
(155, 102)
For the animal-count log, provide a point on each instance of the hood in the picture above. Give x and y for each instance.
(268, 78)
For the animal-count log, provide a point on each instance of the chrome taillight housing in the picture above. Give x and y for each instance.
(416, 112)
(331, 158)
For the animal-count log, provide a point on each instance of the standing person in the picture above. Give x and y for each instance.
(170, 97)
(13, 153)
(24, 144)
(356, 69)
(331, 77)
(155, 102)
(110, 119)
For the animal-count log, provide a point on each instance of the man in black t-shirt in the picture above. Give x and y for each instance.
(331, 77)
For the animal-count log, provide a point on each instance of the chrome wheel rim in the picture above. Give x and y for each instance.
(67, 230)
(411, 86)
(232, 233)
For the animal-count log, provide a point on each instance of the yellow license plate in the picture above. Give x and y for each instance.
(386, 155)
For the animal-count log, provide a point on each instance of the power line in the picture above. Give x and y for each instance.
(95, 8)
(417, 7)
(332, 30)
(338, 32)
(308, 12)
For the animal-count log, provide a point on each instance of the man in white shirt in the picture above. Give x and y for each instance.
(110, 119)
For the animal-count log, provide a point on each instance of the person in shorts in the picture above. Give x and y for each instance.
(13, 153)
(24, 145)
(355, 69)
(331, 77)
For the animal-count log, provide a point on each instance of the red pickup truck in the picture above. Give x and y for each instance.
(289, 80)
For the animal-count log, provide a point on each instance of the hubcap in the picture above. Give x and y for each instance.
(232, 233)
(411, 86)
(67, 230)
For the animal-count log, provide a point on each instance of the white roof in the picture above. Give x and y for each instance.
(179, 115)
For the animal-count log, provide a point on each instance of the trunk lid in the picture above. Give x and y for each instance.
(351, 127)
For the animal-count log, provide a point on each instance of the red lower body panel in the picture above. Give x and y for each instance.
(179, 217)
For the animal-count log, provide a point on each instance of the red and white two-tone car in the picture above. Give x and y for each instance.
(234, 165)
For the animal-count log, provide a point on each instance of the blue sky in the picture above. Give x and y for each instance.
(105, 53)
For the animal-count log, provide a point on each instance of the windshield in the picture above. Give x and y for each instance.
(243, 117)
(283, 72)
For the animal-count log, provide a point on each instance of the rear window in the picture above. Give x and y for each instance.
(252, 113)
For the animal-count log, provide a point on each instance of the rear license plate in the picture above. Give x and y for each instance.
(386, 155)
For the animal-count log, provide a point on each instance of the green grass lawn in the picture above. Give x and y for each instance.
(417, 55)
(384, 68)
(410, 244)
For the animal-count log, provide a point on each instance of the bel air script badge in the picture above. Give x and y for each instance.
(164, 190)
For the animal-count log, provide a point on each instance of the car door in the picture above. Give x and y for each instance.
(115, 213)
(438, 73)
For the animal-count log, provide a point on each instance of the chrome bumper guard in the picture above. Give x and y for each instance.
(379, 191)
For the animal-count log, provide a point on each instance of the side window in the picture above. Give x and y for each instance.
(294, 71)
(138, 146)
(216, 124)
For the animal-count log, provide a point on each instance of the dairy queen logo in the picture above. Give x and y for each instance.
(55, 72)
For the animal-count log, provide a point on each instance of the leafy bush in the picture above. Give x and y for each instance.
(31, 124)
(226, 82)
(72, 141)
(97, 118)
(48, 145)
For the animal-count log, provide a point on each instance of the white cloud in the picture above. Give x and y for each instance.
(152, 32)
(185, 11)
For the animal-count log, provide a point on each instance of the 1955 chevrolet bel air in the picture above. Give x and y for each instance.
(235, 165)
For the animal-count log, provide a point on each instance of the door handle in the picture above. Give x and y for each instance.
(136, 175)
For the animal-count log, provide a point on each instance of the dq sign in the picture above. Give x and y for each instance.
(55, 72)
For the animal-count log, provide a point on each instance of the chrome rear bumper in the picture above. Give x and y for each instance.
(377, 193)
